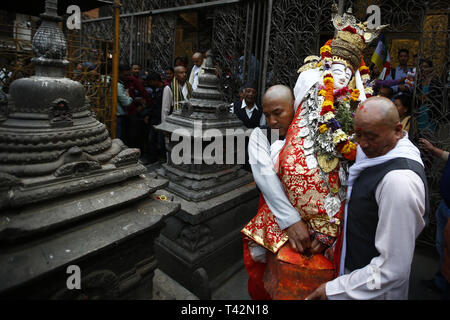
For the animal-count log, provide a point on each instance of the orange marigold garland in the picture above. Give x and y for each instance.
(330, 124)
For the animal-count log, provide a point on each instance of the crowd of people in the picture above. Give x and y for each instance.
(399, 86)
(146, 98)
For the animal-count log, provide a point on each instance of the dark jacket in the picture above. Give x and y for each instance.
(135, 90)
(240, 112)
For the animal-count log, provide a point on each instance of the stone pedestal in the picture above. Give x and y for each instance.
(108, 234)
(201, 245)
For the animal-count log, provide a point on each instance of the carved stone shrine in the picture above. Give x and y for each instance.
(201, 245)
(70, 197)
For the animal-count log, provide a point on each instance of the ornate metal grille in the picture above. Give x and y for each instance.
(229, 30)
(298, 30)
(90, 52)
(162, 41)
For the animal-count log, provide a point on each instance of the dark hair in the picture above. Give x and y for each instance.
(169, 68)
(427, 61)
(136, 64)
(251, 84)
(124, 67)
(403, 50)
(153, 75)
(406, 101)
(391, 91)
(182, 59)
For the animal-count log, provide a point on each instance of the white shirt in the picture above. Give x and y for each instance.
(262, 158)
(195, 71)
(167, 100)
(401, 200)
(262, 120)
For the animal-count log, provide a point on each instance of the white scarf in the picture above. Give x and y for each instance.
(404, 149)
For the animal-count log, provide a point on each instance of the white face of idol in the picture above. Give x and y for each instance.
(341, 75)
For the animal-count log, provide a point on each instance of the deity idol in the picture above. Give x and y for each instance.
(312, 165)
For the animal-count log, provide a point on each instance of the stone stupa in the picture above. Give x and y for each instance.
(201, 245)
(69, 194)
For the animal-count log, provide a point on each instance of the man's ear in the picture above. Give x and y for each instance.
(399, 130)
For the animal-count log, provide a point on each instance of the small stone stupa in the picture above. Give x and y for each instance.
(201, 245)
(70, 197)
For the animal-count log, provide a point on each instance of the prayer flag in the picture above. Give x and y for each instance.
(381, 57)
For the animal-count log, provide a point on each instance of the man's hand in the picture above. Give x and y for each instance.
(317, 247)
(318, 294)
(299, 237)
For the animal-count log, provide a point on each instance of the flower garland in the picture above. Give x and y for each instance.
(365, 76)
(329, 123)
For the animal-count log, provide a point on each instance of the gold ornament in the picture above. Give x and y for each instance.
(327, 165)
(352, 37)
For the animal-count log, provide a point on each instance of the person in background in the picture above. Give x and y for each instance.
(199, 62)
(180, 61)
(247, 110)
(137, 109)
(178, 90)
(156, 143)
(386, 91)
(123, 101)
(249, 113)
(137, 92)
(401, 71)
(430, 97)
(403, 102)
(169, 74)
(438, 283)
(136, 70)
(376, 83)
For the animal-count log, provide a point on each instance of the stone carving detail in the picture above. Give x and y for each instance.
(49, 44)
(77, 168)
(222, 111)
(126, 157)
(186, 108)
(195, 237)
(7, 181)
(60, 114)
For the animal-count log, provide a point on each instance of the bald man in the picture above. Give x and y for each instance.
(196, 71)
(263, 149)
(385, 213)
(178, 90)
